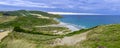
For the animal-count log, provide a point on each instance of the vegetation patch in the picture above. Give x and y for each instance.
(27, 13)
(80, 31)
(28, 22)
(100, 37)
(26, 40)
(7, 18)
(49, 30)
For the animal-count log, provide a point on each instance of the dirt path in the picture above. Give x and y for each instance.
(72, 40)
(3, 34)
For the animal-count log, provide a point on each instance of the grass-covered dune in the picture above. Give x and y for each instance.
(1, 14)
(25, 18)
(104, 37)
(7, 18)
(28, 21)
(107, 36)
(27, 13)
(100, 37)
(24, 33)
(26, 40)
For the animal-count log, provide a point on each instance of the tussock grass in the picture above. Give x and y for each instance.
(80, 31)
(26, 40)
(48, 30)
(7, 19)
(107, 36)
(30, 21)
(99, 37)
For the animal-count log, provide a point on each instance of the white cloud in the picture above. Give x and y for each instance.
(113, 5)
(112, 1)
(71, 13)
(85, 5)
(24, 3)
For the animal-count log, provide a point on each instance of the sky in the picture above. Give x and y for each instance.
(80, 6)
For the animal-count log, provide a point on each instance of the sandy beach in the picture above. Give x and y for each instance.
(67, 25)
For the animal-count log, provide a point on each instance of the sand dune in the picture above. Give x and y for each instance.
(3, 34)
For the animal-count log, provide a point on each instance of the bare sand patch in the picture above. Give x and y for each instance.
(71, 40)
(4, 34)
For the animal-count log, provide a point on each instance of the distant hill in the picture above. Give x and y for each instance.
(1, 14)
(26, 18)
(26, 13)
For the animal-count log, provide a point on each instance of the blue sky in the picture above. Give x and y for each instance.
(82, 6)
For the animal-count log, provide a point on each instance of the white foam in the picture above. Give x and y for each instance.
(71, 27)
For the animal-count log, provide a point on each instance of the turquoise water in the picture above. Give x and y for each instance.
(88, 21)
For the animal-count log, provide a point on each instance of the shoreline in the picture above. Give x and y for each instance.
(67, 25)
(61, 24)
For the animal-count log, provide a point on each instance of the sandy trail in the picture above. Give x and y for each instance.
(72, 40)
(4, 34)
(40, 16)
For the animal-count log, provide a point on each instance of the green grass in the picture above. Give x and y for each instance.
(18, 29)
(27, 13)
(100, 37)
(15, 13)
(7, 19)
(1, 14)
(30, 21)
(21, 38)
(18, 44)
(104, 36)
(48, 30)
(26, 35)
(25, 40)
(80, 31)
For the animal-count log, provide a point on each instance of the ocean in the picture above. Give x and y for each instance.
(89, 21)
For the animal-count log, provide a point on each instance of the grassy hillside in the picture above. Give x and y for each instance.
(100, 37)
(15, 13)
(1, 14)
(27, 13)
(21, 38)
(6, 19)
(26, 40)
(25, 34)
(28, 22)
(104, 37)
(45, 14)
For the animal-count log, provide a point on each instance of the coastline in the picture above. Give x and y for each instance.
(67, 25)
(61, 24)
